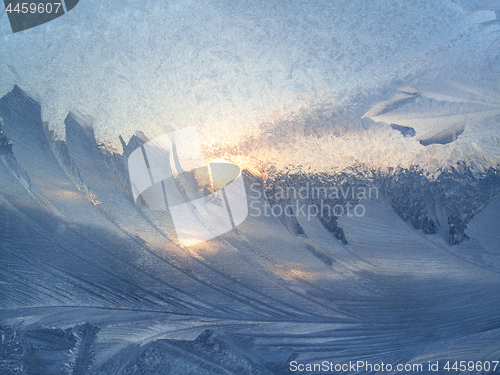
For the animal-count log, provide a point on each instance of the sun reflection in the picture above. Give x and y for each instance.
(216, 175)
(222, 173)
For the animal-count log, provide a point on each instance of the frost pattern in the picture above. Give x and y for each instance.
(434, 114)
(222, 66)
(323, 137)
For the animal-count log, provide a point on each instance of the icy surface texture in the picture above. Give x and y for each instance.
(227, 68)
(93, 284)
(445, 205)
(441, 116)
(222, 65)
(48, 351)
(324, 137)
